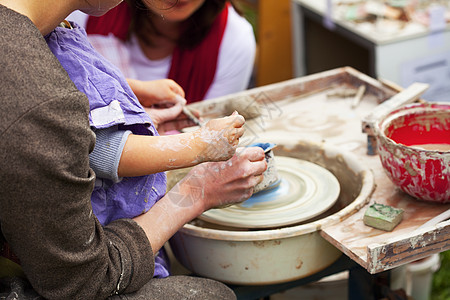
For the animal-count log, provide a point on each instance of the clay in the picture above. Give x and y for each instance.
(271, 176)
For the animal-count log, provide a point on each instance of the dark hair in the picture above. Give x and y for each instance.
(195, 27)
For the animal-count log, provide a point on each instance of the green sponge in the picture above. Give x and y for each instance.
(382, 216)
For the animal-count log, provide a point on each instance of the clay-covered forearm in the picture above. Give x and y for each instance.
(143, 155)
(215, 141)
(169, 214)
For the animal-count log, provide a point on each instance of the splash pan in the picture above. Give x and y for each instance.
(305, 190)
(259, 256)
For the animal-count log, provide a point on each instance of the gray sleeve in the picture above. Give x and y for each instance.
(104, 160)
(45, 199)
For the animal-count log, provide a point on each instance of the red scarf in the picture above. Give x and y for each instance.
(192, 69)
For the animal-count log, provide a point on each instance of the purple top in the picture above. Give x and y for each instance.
(111, 102)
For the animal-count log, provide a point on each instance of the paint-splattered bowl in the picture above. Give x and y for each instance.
(414, 148)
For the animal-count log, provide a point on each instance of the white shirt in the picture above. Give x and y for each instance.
(234, 66)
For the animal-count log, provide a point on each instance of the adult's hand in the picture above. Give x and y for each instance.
(178, 123)
(206, 186)
(162, 99)
(215, 184)
(156, 91)
(163, 115)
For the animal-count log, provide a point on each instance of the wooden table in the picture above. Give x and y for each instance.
(301, 109)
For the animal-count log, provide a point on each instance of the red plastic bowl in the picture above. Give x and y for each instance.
(404, 136)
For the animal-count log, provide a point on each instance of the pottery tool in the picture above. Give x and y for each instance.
(191, 116)
(408, 95)
(342, 93)
(187, 111)
(382, 216)
(436, 220)
(358, 96)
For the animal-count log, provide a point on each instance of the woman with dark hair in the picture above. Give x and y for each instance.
(207, 47)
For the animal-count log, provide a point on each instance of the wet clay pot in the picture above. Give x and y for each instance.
(414, 149)
(274, 255)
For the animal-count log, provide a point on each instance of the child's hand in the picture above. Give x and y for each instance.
(218, 139)
(162, 99)
(153, 92)
(162, 115)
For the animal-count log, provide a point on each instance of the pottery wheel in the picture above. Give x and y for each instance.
(305, 190)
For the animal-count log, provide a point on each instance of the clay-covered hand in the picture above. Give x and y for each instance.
(218, 139)
(216, 184)
(207, 185)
